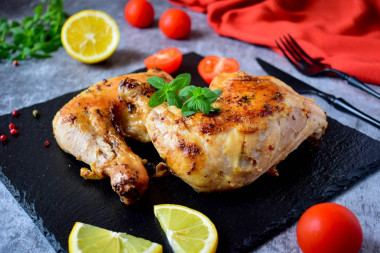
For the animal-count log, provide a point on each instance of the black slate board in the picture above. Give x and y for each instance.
(245, 218)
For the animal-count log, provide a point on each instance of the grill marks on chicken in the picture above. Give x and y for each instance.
(92, 127)
(261, 120)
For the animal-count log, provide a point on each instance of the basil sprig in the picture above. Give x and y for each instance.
(189, 99)
(166, 91)
(199, 99)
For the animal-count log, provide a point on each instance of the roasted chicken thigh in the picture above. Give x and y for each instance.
(261, 120)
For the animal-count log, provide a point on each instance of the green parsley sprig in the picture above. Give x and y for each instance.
(180, 93)
(35, 36)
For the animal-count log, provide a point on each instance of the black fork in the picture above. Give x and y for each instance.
(311, 67)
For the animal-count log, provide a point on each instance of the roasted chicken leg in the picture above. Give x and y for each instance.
(92, 127)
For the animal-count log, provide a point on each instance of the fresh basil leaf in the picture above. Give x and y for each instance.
(6, 46)
(56, 43)
(19, 38)
(198, 91)
(4, 28)
(56, 5)
(26, 50)
(38, 29)
(40, 56)
(38, 10)
(186, 111)
(187, 91)
(173, 99)
(17, 30)
(203, 105)
(157, 82)
(207, 92)
(4, 54)
(190, 103)
(14, 24)
(186, 77)
(3, 21)
(214, 109)
(27, 22)
(158, 98)
(211, 95)
(44, 46)
(218, 92)
(20, 56)
(180, 82)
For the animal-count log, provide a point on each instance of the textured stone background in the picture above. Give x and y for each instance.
(36, 81)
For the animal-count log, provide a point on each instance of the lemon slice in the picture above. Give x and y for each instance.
(187, 230)
(90, 36)
(88, 238)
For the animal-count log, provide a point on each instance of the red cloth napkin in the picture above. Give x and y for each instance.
(346, 34)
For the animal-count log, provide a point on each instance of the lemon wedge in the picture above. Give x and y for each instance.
(187, 230)
(88, 238)
(90, 36)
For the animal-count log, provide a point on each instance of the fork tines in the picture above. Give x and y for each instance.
(294, 53)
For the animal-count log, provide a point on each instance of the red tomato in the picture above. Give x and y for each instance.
(175, 23)
(329, 227)
(211, 66)
(168, 59)
(139, 13)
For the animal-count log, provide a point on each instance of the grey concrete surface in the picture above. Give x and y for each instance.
(36, 81)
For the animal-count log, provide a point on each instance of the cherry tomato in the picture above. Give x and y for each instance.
(175, 23)
(139, 13)
(329, 227)
(168, 60)
(211, 66)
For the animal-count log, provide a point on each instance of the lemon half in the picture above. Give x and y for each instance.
(91, 239)
(90, 36)
(187, 230)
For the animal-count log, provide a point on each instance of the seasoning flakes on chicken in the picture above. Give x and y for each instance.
(261, 120)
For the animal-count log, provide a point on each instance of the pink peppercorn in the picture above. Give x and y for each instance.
(12, 126)
(3, 138)
(15, 113)
(47, 143)
(14, 131)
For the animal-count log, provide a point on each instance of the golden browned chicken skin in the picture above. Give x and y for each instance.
(92, 127)
(261, 120)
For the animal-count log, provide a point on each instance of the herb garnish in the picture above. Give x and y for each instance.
(35, 36)
(167, 91)
(200, 99)
(194, 98)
